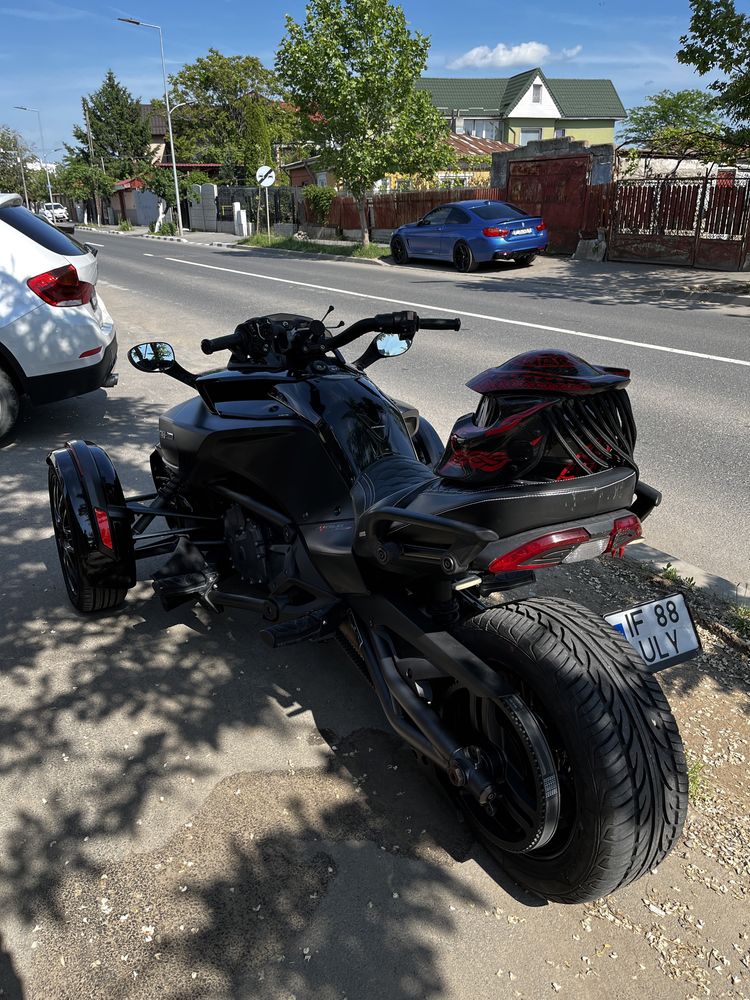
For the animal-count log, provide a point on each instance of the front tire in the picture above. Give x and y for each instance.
(463, 258)
(618, 756)
(84, 596)
(10, 404)
(398, 251)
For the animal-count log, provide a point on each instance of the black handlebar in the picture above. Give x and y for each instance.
(405, 324)
(221, 343)
(439, 324)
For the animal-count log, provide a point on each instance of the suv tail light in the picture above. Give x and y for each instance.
(61, 287)
(494, 231)
(541, 227)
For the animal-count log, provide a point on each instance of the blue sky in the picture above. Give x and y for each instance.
(51, 52)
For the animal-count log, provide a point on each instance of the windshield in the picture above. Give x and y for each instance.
(499, 210)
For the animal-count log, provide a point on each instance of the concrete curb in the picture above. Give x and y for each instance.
(295, 254)
(643, 553)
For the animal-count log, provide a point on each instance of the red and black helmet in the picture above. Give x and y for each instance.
(549, 413)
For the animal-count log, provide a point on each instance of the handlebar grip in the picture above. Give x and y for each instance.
(221, 343)
(439, 324)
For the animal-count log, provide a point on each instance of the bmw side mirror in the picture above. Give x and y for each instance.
(154, 357)
(390, 345)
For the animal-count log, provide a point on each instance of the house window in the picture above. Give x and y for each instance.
(530, 135)
(559, 133)
(536, 93)
(481, 128)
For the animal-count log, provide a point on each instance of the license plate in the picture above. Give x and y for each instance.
(661, 632)
(521, 232)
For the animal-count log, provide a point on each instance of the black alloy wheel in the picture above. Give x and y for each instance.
(463, 258)
(398, 251)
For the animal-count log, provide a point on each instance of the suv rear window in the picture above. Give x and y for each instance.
(498, 210)
(41, 232)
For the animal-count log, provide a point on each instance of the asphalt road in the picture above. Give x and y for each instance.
(690, 361)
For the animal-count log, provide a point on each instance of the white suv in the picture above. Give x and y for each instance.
(56, 337)
(55, 212)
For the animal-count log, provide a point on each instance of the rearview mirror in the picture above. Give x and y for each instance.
(390, 345)
(154, 357)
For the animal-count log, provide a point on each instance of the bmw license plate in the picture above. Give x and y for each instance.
(521, 232)
(661, 632)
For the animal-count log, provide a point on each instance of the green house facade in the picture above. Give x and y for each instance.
(527, 107)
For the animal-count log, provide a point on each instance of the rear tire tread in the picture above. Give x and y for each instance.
(625, 719)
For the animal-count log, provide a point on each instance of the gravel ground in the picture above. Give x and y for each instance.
(352, 879)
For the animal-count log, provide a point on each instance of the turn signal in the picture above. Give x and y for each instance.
(61, 287)
(624, 530)
(541, 227)
(494, 231)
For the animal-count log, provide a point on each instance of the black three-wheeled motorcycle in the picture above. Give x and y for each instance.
(291, 486)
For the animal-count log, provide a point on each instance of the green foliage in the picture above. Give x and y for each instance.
(120, 134)
(12, 147)
(79, 180)
(231, 116)
(350, 68)
(696, 778)
(677, 123)
(160, 180)
(168, 229)
(719, 42)
(319, 201)
(369, 250)
(125, 225)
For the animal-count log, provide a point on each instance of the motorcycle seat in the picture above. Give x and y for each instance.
(399, 481)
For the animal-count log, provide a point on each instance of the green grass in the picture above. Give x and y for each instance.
(740, 619)
(371, 251)
(670, 573)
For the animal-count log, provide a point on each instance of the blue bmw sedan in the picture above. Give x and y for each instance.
(471, 233)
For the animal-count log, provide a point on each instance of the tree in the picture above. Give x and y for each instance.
(677, 123)
(231, 114)
(12, 149)
(719, 42)
(350, 69)
(120, 133)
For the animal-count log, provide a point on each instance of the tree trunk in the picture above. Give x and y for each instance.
(363, 220)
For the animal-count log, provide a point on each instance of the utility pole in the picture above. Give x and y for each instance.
(97, 201)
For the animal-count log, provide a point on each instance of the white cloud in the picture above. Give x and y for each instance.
(523, 54)
(503, 55)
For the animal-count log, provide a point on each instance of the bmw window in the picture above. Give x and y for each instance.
(41, 232)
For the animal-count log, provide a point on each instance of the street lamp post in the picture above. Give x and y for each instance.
(144, 24)
(21, 107)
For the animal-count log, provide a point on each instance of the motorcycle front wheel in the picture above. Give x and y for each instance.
(618, 761)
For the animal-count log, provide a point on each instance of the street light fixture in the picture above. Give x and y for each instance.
(21, 107)
(144, 24)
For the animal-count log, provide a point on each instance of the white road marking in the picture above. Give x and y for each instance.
(91, 243)
(464, 312)
(153, 255)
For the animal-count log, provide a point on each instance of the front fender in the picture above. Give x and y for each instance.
(91, 483)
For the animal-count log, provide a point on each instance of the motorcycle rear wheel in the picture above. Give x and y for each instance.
(620, 762)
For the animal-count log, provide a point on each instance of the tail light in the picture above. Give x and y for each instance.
(547, 550)
(494, 231)
(541, 227)
(61, 287)
(624, 530)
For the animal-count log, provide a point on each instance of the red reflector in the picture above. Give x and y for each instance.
(541, 227)
(547, 550)
(61, 287)
(102, 523)
(624, 531)
(494, 231)
(91, 353)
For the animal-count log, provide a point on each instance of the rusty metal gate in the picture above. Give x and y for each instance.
(554, 188)
(696, 222)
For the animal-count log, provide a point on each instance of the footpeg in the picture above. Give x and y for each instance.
(314, 625)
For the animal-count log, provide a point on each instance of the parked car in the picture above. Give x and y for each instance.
(56, 337)
(65, 225)
(54, 211)
(471, 233)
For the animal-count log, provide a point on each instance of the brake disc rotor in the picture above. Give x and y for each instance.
(507, 741)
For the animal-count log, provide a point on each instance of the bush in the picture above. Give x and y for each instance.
(168, 229)
(126, 225)
(319, 201)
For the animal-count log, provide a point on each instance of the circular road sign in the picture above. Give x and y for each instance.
(265, 176)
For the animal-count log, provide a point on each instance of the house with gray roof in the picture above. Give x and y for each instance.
(526, 107)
